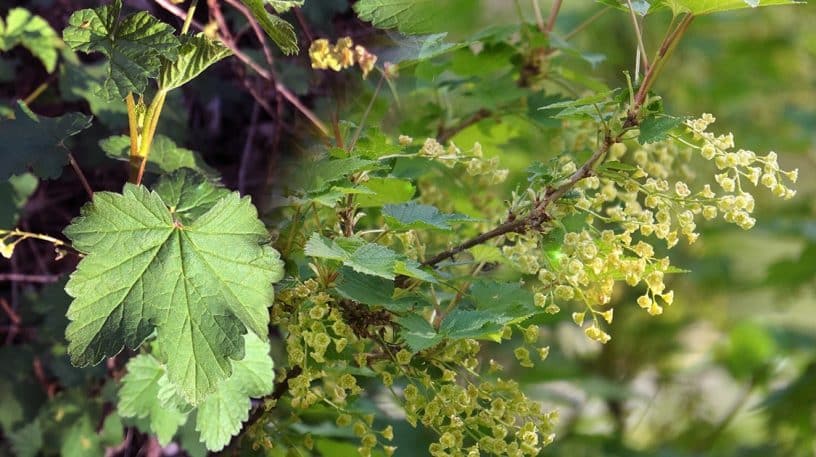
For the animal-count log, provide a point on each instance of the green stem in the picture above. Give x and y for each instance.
(151, 122)
(663, 54)
(189, 19)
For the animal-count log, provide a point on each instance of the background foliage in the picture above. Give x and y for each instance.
(727, 370)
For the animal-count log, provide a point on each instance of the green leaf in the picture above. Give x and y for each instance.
(487, 253)
(325, 172)
(700, 7)
(507, 301)
(461, 324)
(413, 269)
(657, 128)
(165, 155)
(220, 415)
(26, 441)
(134, 45)
(139, 398)
(417, 332)
(194, 56)
(367, 258)
(412, 17)
(413, 215)
(36, 143)
(188, 194)
(386, 191)
(80, 440)
(199, 277)
(33, 32)
(363, 288)
(282, 6)
(281, 32)
(17, 190)
(373, 291)
(83, 82)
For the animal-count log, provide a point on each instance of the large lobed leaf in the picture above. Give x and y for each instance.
(188, 261)
(134, 45)
(37, 143)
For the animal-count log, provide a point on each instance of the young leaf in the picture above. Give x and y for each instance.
(371, 290)
(461, 324)
(152, 267)
(36, 143)
(281, 32)
(27, 440)
(33, 32)
(194, 56)
(417, 216)
(134, 45)
(220, 415)
(139, 398)
(367, 258)
(506, 301)
(417, 332)
(189, 195)
(657, 128)
(165, 155)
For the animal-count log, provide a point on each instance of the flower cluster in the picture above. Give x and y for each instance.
(641, 200)
(474, 160)
(476, 418)
(586, 269)
(341, 55)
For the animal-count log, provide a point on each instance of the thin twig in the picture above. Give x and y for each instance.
(365, 114)
(444, 134)
(85, 184)
(663, 53)
(539, 18)
(556, 7)
(246, 155)
(34, 279)
(256, 28)
(583, 25)
(262, 72)
(639, 35)
(537, 216)
(303, 24)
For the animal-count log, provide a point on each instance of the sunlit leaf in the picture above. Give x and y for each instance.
(164, 268)
(133, 45)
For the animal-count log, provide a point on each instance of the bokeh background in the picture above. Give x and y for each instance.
(728, 370)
